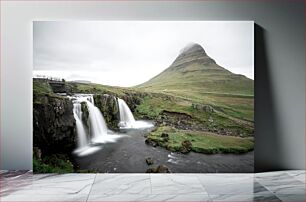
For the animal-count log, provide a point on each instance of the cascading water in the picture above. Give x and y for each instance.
(82, 137)
(97, 123)
(127, 119)
(91, 138)
(98, 130)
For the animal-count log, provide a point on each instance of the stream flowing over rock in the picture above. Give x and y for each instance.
(53, 124)
(133, 99)
(108, 105)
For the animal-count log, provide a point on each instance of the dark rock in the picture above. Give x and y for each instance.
(151, 170)
(151, 142)
(178, 120)
(133, 99)
(149, 161)
(186, 143)
(37, 153)
(184, 150)
(204, 108)
(53, 124)
(159, 169)
(163, 169)
(179, 115)
(165, 137)
(108, 105)
(186, 146)
(85, 114)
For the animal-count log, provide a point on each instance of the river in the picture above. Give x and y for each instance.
(128, 154)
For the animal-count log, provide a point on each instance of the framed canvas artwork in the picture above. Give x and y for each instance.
(143, 96)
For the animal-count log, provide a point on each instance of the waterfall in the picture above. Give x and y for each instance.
(127, 119)
(89, 141)
(98, 132)
(97, 123)
(82, 137)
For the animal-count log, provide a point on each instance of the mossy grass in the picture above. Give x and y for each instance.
(153, 106)
(41, 87)
(202, 142)
(52, 164)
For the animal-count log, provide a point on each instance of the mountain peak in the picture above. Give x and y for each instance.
(194, 70)
(192, 47)
(192, 53)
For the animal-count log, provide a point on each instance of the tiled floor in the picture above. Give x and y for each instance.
(273, 186)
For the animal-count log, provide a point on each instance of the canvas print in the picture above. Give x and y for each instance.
(143, 96)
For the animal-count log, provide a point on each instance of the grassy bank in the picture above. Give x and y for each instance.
(52, 164)
(217, 120)
(201, 142)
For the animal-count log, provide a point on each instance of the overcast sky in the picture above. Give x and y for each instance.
(127, 53)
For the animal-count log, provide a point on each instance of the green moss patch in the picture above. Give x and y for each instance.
(52, 164)
(217, 120)
(201, 142)
(40, 87)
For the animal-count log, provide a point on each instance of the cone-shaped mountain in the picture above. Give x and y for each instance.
(194, 71)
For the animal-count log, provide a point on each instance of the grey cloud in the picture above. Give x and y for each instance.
(137, 48)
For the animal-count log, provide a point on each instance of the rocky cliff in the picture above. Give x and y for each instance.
(109, 107)
(53, 124)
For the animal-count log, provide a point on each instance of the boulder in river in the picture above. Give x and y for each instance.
(186, 146)
(149, 161)
(159, 169)
(151, 142)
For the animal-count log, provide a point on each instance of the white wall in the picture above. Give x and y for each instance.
(280, 73)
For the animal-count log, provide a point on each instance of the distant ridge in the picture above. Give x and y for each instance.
(80, 81)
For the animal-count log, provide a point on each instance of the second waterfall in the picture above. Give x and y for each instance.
(127, 120)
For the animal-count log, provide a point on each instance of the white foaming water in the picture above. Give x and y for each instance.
(82, 137)
(98, 130)
(173, 158)
(173, 161)
(97, 123)
(127, 119)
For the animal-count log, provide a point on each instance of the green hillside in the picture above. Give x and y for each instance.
(195, 77)
(193, 70)
(202, 97)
